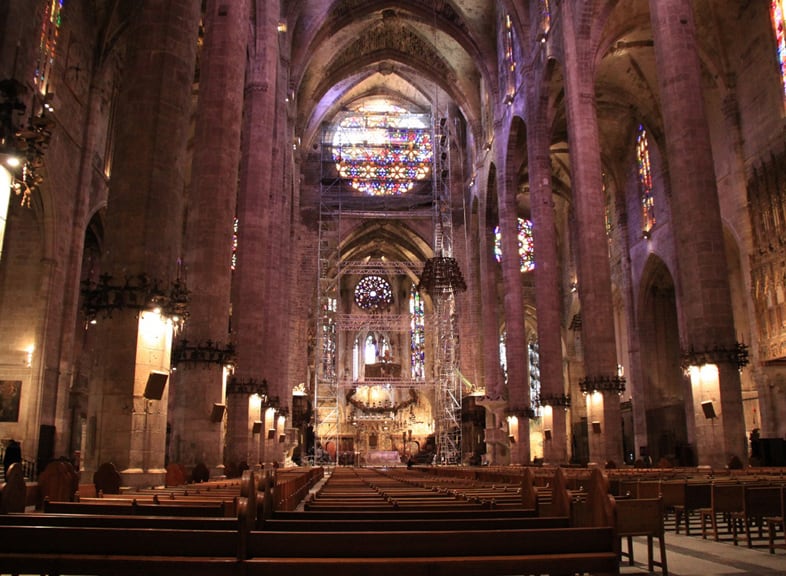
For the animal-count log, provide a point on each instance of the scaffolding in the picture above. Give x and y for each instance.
(442, 279)
(430, 200)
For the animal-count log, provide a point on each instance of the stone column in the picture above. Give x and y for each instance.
(547, 279)
(515, 340)
(492, 372)
(594, 273)
(704, 297)
(199, 385)
(143, 242)
(260, 303)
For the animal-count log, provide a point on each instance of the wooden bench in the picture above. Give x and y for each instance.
(433, 553)
(133, 508)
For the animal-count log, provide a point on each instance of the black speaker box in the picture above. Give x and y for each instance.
(154, 389)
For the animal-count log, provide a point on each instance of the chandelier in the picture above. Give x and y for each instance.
(441, 275)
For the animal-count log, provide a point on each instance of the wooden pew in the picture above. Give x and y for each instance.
(134, 508)
(433, 553)
(117, 551)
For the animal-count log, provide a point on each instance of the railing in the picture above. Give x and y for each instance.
(29, 467)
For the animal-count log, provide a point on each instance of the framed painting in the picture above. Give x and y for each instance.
(10, 391)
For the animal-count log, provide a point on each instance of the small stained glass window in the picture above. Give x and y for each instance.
(526, 247)
(373, 294)
(645, 180)
(777, 8)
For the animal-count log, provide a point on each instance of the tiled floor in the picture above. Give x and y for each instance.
(694, 556)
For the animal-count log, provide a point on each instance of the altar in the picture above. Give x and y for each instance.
(382, 458)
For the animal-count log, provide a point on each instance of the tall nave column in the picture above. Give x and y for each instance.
(516, 353)
(204, 349)
(547, 281)
(259, 298)
(591, 249)
(704, 298)
(138, 294)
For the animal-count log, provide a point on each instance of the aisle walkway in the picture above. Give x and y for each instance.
(694, 556)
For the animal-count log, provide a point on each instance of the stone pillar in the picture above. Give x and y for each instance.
(143, 242)
(492, 372)
(259, 300)
(547, 281)
(594, 273)
(704, 296)
(515, 340)
(199, 385)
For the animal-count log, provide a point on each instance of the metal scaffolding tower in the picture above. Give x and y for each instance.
(326, 407)
(442, 279)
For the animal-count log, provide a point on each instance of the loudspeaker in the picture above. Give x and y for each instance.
(709, 409)
(217, 415)
(282, 437)
(547, 434)
(154, 389)
(596, 426)
(271, 434)
(257, 428)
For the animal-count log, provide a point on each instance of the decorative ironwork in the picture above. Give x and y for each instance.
(24, 143)
(738, 355)
(561, 400)
(382, 407)
(207, 352)
(592, 384)
(250, 386)
(138, 292)
(527, 412)
(441, 274)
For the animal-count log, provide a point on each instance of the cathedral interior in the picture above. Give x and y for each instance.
(357, 232)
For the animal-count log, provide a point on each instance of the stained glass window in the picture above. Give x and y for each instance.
(417, 337)
(234, 244)
(510, 60)
(645, 181)
(383, 149)
(534, 376)
(545, 17)
(777, 8)
(373, 294)
(503, 356)
(50, 30)
(526, 248)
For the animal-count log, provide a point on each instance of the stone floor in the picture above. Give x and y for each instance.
(694, 556)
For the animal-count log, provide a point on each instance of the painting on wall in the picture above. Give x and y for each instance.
(10, 391)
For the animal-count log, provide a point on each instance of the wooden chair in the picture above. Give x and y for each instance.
(642, 517)
(758, 502)
(778, 520)
(727, 499)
